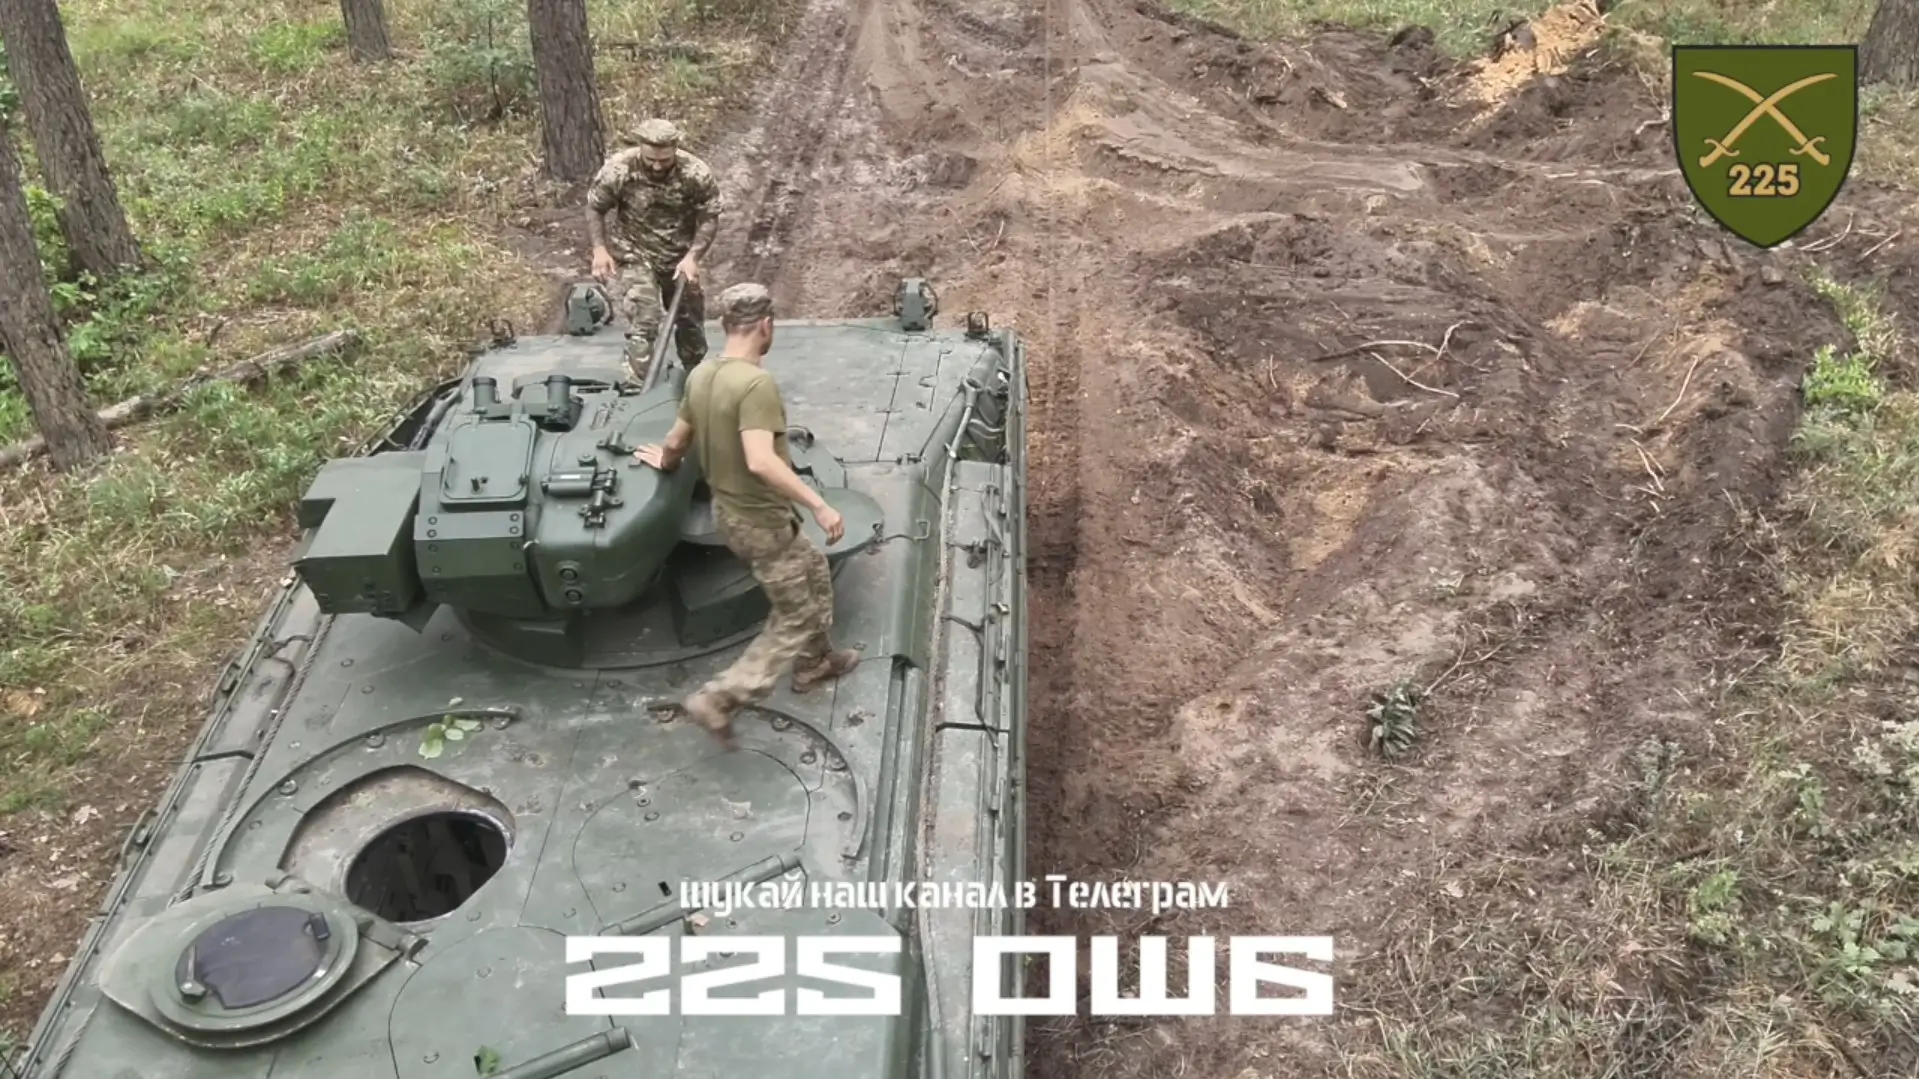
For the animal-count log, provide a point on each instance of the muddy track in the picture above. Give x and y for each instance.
(768, 167)
(1338, 375)
(1055, 448)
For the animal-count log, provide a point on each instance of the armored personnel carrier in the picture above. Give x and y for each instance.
(454, 744)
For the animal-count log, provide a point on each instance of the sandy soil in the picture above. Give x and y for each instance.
(1347, 367)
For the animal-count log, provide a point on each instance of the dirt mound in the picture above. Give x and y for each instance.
(1348, 369)
(1526, 49)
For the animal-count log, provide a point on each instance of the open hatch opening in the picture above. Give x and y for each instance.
(426, 867)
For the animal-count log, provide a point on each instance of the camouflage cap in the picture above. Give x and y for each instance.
(745, 302)
(655, 132)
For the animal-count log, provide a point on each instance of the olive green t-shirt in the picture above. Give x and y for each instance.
(722, 398)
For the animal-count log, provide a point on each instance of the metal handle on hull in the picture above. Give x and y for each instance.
(569, 1057)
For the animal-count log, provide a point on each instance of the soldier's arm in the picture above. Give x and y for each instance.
(708, 209)
(673, 450)
(761, 414)
(765, 462)
(703, 236)
(596, 228)
(602, 196)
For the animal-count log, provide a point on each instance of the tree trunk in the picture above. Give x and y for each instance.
(1890, 52)
(366, 32)
(572, 137)
(57, 114)
(30, 332)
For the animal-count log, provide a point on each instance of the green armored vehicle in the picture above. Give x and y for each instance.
(454, 746)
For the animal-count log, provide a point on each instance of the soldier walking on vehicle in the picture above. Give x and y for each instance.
(651, 214)
(732, 413)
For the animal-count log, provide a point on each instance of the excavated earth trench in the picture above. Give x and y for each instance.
(1532, 498)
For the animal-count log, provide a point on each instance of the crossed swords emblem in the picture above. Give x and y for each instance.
(1765, 106)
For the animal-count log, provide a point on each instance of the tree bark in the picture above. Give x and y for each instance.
(61, 123)
(366, 31)
(30, 332)
(1890, 51)
(572, 134)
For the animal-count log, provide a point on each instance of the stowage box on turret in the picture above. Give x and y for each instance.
(455, 742)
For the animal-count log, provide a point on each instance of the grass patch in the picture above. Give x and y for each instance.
(1466, 28)
(284, 192)
(1461, 29)
(1716, 22)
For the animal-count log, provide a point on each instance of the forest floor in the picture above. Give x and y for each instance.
(1618, 551)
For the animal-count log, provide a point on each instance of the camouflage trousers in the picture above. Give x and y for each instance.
(643, 294)
(794, 575)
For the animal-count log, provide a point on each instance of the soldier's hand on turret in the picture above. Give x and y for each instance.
(653, 457)
(831, 522)
(603, 267)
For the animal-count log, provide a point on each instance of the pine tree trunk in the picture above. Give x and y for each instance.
(571, 133)
(61, 123)
(1890, 52)
(30, 332)
(366, 32)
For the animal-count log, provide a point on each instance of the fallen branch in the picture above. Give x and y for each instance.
(1658, 488)
(1830, 241)
(1408, 379)
(1870, 251)
(140, 406)
(660, 50)
(1460, 661)
(1438, 350)
(1681, 395)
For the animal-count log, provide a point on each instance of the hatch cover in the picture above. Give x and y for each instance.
(255, 957)
(255, 967)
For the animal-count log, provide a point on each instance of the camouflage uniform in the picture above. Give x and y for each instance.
(762, 529)
(799, 587)
(651, 228)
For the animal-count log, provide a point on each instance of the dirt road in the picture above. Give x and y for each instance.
(1347, 370)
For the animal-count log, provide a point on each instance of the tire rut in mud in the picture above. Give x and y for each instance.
(769, 167)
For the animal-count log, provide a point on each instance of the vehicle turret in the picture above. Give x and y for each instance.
(526, 512)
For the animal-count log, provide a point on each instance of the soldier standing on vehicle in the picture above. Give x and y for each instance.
(651, 214)
(731, 412)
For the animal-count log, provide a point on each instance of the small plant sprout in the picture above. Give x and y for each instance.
(1394, 714)
(443, 730)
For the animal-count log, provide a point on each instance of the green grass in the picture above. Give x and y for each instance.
(1465, 27)
(284, 192)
